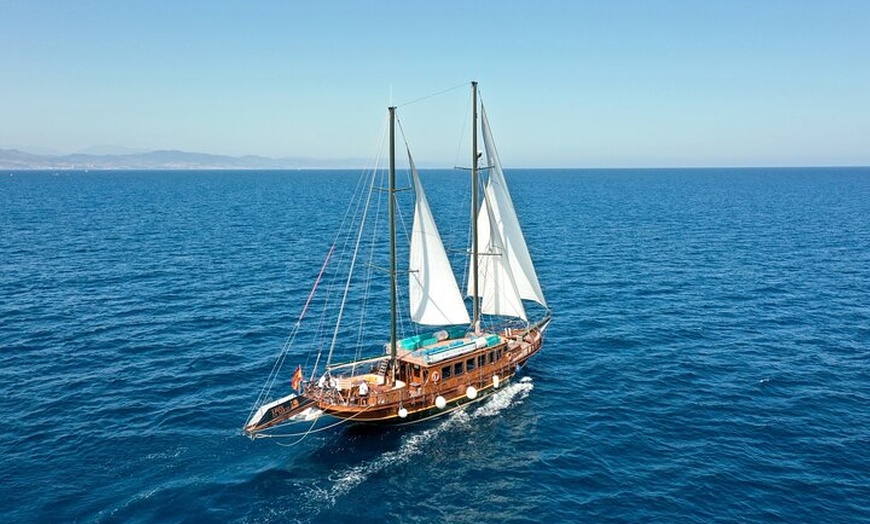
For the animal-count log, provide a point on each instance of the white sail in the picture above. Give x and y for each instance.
(433, 292)
(498, 288)
(507, 225)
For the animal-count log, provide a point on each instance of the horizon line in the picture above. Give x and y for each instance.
(435, 168)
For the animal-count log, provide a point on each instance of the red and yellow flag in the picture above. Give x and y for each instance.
(297, 378)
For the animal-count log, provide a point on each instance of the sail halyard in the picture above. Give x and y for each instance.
(434, 295)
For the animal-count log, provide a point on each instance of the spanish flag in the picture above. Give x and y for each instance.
(297, 378)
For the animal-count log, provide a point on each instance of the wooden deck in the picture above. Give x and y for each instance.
(456, 371)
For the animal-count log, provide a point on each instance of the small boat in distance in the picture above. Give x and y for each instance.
(451, 359)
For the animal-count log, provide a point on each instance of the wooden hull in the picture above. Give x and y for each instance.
(408, 401)
(388, 414)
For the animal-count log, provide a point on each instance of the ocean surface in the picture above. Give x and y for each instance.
(709, 358)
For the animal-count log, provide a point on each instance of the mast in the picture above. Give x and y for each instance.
(475, 297)
(393, 283)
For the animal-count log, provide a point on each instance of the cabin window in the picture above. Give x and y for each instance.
(425, 375)
(498, 354)
(457, 368)
(469, 364)
(481, 361)
(445, 372)
(491, 357)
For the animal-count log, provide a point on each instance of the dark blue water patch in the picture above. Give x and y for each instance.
(707, 360)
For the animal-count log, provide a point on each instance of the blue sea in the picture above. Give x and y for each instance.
(708, 361)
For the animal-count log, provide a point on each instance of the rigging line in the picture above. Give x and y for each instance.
(345, 231)
(301, 438)
(372, 174)
(467, 269)
(404, 138)
(272, 378)
(416, 329)
(298, 324)
(266, 390)
(288, 343)
(350, 274)
(358, 191)
(356, 197)
(463, 127)
(367, 283)
(401, 305)
(279, 363)
(464, 84)
(409, 173)
(318, 334)
(357, 204)
(316, 283)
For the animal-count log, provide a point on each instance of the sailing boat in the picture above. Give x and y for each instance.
(454, 359)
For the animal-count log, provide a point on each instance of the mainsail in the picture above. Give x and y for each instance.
(504, 244)
(433, 292)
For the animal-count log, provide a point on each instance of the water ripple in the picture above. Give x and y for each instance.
(706, 362)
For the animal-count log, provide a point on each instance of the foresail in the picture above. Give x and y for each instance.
(498, 288)
(506, 223)
(434, 295)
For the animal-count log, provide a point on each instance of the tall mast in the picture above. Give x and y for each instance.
(392, 197)
(475, 300)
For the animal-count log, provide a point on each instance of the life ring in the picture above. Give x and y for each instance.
(435, 376)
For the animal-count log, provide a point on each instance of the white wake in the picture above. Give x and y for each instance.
(345, 480)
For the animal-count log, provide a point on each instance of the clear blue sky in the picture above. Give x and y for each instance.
(567, 83)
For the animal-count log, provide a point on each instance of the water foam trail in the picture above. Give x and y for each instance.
(514, 392)
(347, 479)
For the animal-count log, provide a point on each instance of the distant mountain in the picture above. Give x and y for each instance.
(164, 159)
(106, 149)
